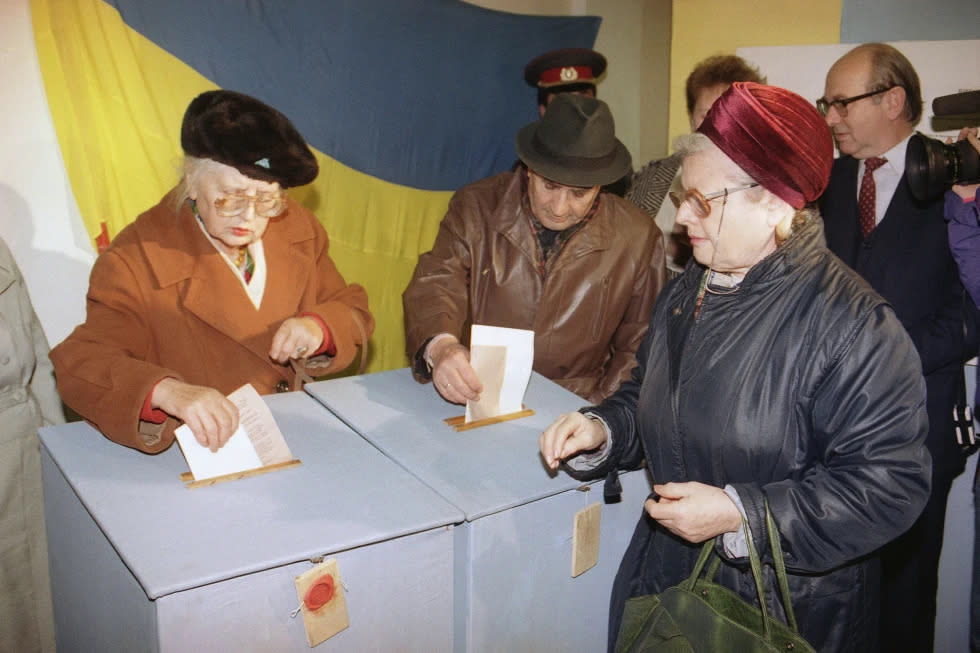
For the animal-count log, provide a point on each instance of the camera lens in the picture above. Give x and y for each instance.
(965, 166)
(932, 166)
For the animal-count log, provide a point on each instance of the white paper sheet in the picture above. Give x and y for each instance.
(502, 359)
(257, 442)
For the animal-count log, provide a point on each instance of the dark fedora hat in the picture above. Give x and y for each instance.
(574, 143)
(247, 134)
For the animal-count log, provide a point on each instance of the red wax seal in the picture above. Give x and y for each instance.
(320, 593)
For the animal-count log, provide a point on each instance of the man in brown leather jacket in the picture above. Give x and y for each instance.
(541, 248)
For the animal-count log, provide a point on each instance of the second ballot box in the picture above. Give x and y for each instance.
(513, 582)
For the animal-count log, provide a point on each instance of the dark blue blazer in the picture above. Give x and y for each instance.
(907, 260)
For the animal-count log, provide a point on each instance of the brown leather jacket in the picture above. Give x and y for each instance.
(589, 311)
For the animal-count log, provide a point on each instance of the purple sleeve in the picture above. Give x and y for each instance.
(964, 240)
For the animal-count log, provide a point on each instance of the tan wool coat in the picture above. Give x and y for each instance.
(162, 302)
(28, 400)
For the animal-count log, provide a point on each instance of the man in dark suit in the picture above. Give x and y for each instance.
(872, 102)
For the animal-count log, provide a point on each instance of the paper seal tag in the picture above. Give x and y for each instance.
(585, 539)
(322, 602)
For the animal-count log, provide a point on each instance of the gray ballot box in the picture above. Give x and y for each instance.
(513, 583)
(141, 563)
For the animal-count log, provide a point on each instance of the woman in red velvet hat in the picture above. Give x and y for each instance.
(771, 373)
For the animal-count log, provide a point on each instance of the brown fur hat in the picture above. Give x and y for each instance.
(247, 134)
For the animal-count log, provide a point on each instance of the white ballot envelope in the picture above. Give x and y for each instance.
(257, 442)
(502, 359)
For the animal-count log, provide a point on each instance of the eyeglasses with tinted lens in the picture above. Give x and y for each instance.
(268, 205)
(823, 104)
(699, 202)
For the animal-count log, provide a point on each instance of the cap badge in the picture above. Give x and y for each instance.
(264, 163)
(568, 74)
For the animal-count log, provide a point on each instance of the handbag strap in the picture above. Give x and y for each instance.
(364, 342)
(301, 377)
(754, 563)
(760, 588)
(780, 566)
(706, 551)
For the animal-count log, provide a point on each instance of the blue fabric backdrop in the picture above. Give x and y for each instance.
(427, 94)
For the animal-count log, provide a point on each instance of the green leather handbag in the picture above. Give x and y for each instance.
(700, 616)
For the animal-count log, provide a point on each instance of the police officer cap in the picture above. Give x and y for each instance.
(564, 67)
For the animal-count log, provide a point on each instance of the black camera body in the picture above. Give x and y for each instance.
(932, 166)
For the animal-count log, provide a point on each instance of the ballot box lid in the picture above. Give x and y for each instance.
(344, 494)
(481, 471)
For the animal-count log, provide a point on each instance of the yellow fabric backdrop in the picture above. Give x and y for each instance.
(701, 28)
(117, 101)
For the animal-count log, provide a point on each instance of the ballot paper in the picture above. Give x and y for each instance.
(502, 359)
(257, 442)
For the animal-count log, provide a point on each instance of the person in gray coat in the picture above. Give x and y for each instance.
(28, 400)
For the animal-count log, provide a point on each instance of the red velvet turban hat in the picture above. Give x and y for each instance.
(775, 136)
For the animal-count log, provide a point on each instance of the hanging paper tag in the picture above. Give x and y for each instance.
(322, 602)
(585, 539)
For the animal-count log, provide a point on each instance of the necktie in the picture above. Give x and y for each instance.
(866, 196)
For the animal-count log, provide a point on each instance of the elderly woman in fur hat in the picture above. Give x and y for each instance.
(224, 282)
(771, 374)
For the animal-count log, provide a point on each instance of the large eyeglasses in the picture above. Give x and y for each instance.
(266, 206)
(823, 104)
(699, 202)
